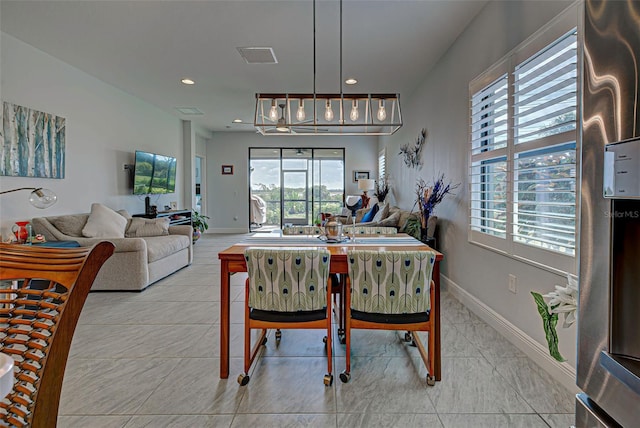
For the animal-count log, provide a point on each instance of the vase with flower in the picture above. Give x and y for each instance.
(428, 197)
(382, 189)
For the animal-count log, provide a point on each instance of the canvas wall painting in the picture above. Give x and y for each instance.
(33, 143)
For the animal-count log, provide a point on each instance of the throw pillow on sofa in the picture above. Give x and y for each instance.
(370, 215)
(361, 213)
(391, 221)
(383, 212)
(103, 222)
(145, 227)
(70, 225)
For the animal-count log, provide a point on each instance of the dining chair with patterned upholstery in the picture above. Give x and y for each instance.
(370, 230)
(42, 291)
(287, 288)
(391, 290)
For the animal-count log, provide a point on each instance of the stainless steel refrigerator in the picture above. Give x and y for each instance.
(608, 367)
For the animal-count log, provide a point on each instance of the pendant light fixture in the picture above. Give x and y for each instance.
(369, 114)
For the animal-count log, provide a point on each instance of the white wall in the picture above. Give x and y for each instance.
(104, 128)
(228, 195)
(441, 104)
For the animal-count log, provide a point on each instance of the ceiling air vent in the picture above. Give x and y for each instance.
(190, 111)
(254, 55)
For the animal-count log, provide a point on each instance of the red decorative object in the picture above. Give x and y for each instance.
(20, 231)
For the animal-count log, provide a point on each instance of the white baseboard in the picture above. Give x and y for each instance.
(562, 372)
(228, 230)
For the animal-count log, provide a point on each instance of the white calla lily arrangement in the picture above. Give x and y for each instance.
(564, 300)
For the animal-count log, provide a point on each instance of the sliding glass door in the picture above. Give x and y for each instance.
(294, 185)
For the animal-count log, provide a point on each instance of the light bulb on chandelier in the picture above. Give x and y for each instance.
(300, 115)
(382, 111)
(328, 113)
(354, 115)
(273, 112)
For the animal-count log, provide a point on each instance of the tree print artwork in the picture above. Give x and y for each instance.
(33, 143)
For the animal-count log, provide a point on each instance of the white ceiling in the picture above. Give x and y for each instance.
(145, 47)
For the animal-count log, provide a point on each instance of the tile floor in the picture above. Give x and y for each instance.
(150, 359)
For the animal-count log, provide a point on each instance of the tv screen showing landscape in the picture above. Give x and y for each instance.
(154, 174)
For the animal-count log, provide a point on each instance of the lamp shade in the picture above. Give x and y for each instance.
(366, 184)
(39, 197)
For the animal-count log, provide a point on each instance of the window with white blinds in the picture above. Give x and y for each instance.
(488, 158)
(382, 164)
(523, 155)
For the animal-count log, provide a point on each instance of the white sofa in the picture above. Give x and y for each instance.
(136, 263)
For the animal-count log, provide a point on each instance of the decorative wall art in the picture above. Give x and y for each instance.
(412, 153)
(33, 143)
(357, 175)
(227, 169)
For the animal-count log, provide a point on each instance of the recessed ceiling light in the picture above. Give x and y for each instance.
(351, 81)
(237, 121)
(188, 81)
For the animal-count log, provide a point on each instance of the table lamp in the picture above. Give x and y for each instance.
(39, 197)
(366, 184)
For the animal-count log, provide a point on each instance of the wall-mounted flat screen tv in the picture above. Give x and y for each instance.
(154, 174)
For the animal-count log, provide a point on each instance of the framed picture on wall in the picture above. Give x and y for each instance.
(227, 169)
(357, 175)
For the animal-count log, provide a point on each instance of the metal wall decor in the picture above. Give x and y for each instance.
(412, 153)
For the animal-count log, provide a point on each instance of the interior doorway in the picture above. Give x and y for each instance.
(199, 185)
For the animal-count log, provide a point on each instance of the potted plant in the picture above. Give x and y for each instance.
(199, 223)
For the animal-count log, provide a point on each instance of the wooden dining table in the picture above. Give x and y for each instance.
(232, 261)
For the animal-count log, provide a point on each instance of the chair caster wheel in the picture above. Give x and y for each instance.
(278, 337)
(345, 377)
(264, 341)
(431, 380)
(324, 340)
(342, 340)
(408, 337)
(328, 380)
(243, 379)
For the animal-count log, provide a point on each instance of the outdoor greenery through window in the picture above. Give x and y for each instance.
(297, 185)
(523, 154)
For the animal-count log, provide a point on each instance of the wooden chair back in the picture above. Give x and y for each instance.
(42, 292)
